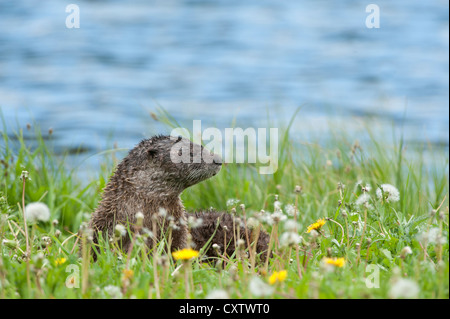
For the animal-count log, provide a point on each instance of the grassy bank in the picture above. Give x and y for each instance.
(369, 241)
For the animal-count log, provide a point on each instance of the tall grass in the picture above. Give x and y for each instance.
(404, 242)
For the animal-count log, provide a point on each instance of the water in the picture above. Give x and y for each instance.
(218, 60)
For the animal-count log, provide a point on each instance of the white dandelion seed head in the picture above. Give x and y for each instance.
(404, 288)
(432, 236)
(291, 225)
(277, 217)
(406, 251)
(277, 206)
(390, 192)
(162, 212)
(112, 292)
(232, 202)
(217, 294)
(364, 201)
(252, 223)
(291, 210)
(194, 222)
(37, 211)
(120, 230)
(340, 186)
(289, 239)
(259, 288)
(139, 216)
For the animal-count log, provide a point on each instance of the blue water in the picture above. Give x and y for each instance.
(219, 60)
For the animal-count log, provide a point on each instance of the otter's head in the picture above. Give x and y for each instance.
(168, 164)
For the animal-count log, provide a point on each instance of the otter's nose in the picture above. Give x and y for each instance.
(217, 160)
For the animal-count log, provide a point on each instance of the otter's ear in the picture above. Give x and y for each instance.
(152, 152)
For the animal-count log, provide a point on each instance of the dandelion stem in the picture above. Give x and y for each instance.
(246, 234)
(28, 250)
(186, 279)
(266, 266)
(362, 236)
(24, 217)
(85, 264)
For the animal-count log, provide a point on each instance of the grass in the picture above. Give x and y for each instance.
(368, 247)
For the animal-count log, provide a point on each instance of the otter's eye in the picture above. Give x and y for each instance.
(178, 139)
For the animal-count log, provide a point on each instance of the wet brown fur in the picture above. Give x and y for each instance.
(148, 180)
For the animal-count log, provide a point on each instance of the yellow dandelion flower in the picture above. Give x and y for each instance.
(60, 261)
(317, 225)
(277, 276)
(185, 254)
(128, 273)
(337, 262)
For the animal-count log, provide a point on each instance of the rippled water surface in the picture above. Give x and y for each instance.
(219, 60)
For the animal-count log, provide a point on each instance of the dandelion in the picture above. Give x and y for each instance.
(60, 261)
(291, 225)
(252, 223)
(290, 239)
(162, 212)
(277, 206)
(431, 237)
(364, 201)
(277, 217)
(316, 226)
(216, 248)
(404, 288)
(291, 210)
(25, 175)
(364, 188)
(232, 202)
(86, 231)
(112, 292)
(139, 219)
(46, 240)
(340, 186)
(405, 252)
(388, 192)
(173, 225)
(37, 212)
(277, 276)
(194, 222)
(127, 274)
(336, 262)
(185, 254)
(120, 230)
(217, 294)
(259, 288)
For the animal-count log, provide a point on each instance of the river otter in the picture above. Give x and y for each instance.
(150, 179)
(223, 226)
